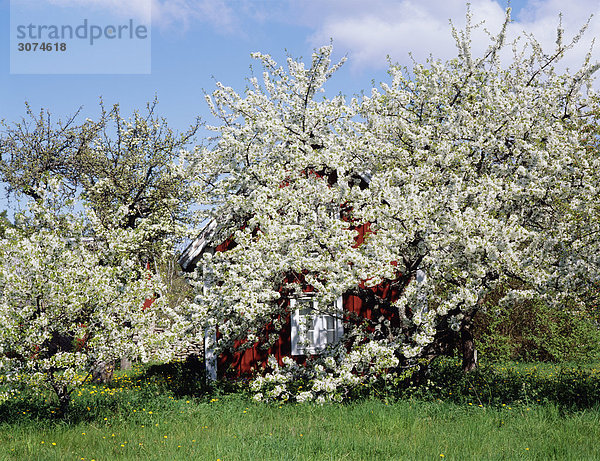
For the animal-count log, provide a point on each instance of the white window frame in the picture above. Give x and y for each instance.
(318, 320)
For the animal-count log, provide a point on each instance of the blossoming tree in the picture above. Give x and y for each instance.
(67, 302)
(472, 174)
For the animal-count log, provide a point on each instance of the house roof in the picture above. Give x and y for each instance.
(192, 254)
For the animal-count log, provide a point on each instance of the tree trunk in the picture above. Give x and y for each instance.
(63, 395)
(125, 363)
(469, 353)
(64, 399)
(102, 372)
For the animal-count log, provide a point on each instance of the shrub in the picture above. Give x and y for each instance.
(531, 330)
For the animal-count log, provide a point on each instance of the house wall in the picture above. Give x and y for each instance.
(243, 363)
(356, 306)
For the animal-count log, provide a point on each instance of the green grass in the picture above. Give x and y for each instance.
(235, 429)
(148, 417)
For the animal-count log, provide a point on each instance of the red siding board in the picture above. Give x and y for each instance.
(243, 363)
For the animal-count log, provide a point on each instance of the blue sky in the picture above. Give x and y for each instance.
(197, 42)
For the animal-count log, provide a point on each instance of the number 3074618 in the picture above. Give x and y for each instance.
(41, 46)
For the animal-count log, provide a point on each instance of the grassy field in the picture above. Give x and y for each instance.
(142, 417)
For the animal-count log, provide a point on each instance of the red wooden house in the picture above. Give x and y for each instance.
(305, 331)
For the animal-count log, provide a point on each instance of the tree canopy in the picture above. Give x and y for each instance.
(477, 172)
(123, 168)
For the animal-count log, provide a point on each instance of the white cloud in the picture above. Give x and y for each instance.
(179, 14)
(371, 31)
(541, 19)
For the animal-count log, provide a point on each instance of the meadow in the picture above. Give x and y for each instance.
(509, 411)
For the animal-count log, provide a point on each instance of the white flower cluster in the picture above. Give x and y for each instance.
(329, 377)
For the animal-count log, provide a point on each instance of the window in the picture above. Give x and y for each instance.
(312, 331)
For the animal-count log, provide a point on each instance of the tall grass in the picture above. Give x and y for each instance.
(148, 417)
(235, 429)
